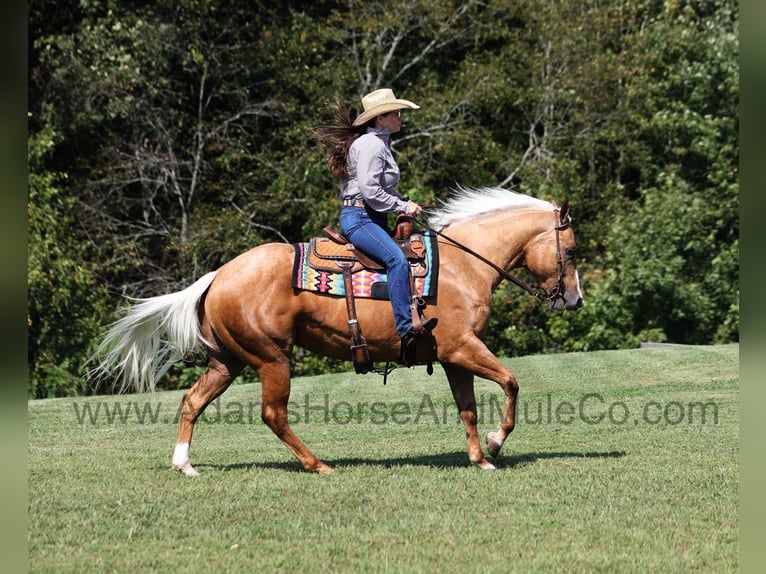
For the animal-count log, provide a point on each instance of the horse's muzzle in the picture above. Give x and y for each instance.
(576, 305)
(562, 303)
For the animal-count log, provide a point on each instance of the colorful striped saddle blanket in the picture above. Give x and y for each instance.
(315, 269)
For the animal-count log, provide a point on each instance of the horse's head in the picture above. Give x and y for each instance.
(551, 260)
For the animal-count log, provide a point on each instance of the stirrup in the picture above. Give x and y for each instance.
(409, 346)
(430, 324)
(407, 354)
(426, 326)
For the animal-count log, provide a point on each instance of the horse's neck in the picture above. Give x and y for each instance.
(502, 237)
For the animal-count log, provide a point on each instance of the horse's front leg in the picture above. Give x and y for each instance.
(461, 384)
(495, 439)
(475, 358)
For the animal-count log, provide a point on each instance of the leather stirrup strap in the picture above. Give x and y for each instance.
(415, 306)
(359, 352)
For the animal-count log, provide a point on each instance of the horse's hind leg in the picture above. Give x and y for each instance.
(214, 381)
(275, 388)
(461, 383)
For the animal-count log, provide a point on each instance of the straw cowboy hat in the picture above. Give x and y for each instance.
(380, 102)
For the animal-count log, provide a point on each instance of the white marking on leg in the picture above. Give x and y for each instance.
(181, 460)
(497, 436)
(181, 454)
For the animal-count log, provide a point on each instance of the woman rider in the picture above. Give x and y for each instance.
(359, 155)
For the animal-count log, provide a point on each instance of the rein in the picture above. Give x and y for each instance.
(539, 293)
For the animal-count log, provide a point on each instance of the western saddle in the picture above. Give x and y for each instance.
(335, 252)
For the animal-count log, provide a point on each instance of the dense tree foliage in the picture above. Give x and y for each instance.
(167, 137)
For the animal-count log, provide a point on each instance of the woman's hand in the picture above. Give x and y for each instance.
(413, 208)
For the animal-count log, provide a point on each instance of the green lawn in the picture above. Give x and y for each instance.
(622, 461)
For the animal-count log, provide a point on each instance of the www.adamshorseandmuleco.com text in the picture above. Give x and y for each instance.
(590, 409)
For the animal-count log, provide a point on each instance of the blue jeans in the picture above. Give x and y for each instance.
(368, 231)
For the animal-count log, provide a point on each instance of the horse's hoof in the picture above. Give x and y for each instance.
(493, 447)
(485, 465)
(186, 469)
(322, 468)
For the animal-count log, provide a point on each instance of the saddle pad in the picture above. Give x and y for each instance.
(367, 284)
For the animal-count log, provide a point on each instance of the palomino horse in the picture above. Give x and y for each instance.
(248, 313)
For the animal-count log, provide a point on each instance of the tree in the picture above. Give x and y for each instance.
(65, 304)
(671, 254)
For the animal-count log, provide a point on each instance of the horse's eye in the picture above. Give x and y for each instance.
(570, 251)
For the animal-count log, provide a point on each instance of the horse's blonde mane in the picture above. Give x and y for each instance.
(467, 203)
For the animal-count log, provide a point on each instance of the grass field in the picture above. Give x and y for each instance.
(622, 461)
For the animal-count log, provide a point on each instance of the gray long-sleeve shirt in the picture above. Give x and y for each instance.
(373, 173)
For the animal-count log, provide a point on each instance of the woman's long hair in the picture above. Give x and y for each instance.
(337, 138)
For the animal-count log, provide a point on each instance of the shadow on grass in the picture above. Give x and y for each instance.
(454, 459)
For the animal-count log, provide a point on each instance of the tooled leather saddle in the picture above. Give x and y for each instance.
(334, 252)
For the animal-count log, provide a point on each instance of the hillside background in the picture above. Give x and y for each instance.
(167, 137)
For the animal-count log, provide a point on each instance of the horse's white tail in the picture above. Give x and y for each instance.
(139, 348)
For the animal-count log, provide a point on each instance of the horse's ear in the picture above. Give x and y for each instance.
(554, 204)
(564, 210)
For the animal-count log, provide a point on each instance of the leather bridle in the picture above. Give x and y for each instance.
(558, 290)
